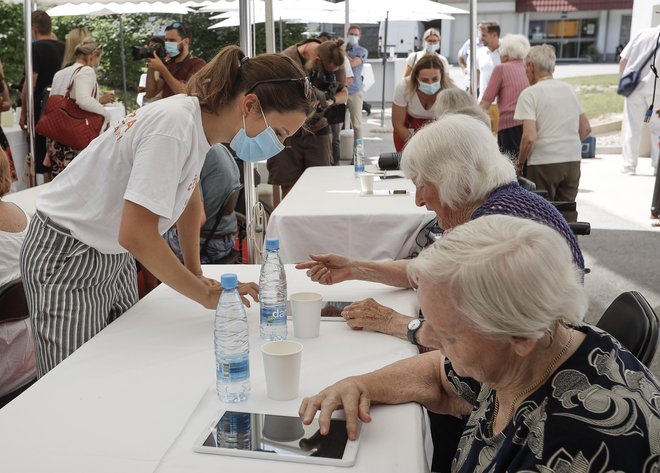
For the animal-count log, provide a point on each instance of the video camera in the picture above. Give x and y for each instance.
(326, 87)
(325, 82)
(145, 52)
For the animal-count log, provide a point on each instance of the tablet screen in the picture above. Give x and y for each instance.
(275, 437)
(333, 308)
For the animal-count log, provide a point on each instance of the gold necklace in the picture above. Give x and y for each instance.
(532, 386)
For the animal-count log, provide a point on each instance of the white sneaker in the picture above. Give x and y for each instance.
(628, 170)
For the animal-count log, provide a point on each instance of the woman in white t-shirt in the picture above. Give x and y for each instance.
(431, 47)
(131, 184)
(414, 98)
(84, 90)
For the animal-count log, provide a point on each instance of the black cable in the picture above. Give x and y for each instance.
(649, 112)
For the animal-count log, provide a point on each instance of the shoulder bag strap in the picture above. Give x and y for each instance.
(68, 89)
(649, 112)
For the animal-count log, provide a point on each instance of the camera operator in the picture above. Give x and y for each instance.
(178, 67)
(312, 144)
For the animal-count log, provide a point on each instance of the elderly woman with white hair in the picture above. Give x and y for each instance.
(543, 391)
(554, 125)
(473, 179)
(455, 100)
(506, 84)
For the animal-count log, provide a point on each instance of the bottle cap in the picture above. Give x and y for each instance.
(229, 281)
(272, 244)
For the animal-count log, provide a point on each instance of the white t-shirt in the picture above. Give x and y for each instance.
(556, 110)
(486, 62)
(153, 157)
(84, 91)
(414, 57)
(638, 50)
(403, 98)
(347, 67)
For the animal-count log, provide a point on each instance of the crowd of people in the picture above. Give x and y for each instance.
(544, 392)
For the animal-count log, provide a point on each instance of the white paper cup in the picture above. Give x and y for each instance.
(367, 183)
(282, 367)
(306, 313)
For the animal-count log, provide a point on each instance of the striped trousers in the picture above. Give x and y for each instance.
(73, 291)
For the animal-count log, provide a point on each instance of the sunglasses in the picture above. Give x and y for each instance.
(307, 86)
(179, 27)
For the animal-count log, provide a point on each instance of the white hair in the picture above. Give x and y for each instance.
(516, 46)
(505, 275)
(543, 57)
(460, 157)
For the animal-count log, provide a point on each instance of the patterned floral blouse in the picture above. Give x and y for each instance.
(599, 412)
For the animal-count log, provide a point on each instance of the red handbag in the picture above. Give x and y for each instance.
(65, 122)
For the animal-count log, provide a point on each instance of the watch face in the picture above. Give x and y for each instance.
(414, 324)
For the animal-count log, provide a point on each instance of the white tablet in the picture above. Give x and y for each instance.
(275, 437)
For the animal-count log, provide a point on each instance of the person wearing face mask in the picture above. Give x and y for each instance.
(357, 55)
(414, 98)
(85, 91)
(131, 184)
(431, 40)
(312, 145)
(178, 67)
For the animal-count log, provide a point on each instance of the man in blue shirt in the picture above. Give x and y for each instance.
(357, 55)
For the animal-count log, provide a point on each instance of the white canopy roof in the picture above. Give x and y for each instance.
(104, 8)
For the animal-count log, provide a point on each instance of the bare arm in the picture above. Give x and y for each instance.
(6, 101)
(408, 71)
(154, 83)
(188, 227)
(526, 142)
(355, 61)
(399, 122)
(418, 379)
(485, 104)
(342, 95)
(585, 127)
(332, 269)
(622, 65)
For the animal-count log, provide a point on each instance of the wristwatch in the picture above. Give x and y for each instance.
(413, 326)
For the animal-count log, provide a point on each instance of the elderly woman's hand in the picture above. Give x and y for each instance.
(348, 394)
(328, 269)
(373, 316)
(248, 289)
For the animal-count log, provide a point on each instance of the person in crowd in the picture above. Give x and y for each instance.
(170, 77)
(312, 145)
(17, 363)
(463, 58)
(130, 185)
(74, 38)
(154, 42)
(85, 92)
(455, 100)
(337, 127)
(357, 56)
(542, 390)
(415, 97)
(431, 40)
(636, 105)
(473, 179)
(218, 178)
(506, 84)
(5, 106)
(47, 56)
(554, 125)
(488, 56)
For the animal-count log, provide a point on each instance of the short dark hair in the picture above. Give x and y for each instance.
(180, 27)
(325, 35)
(41, 22)
(355, 27)
(490, 26)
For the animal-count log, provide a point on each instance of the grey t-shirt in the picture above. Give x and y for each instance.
(219, 176)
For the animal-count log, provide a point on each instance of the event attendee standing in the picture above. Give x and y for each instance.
(431, 47)
(180, 65)
(636, 105)
(130, 185)
(506, 83)
(74, 38)
(6, 105)
(357, 56)
(47, 55)
(488, 56)
(414, 98)
(81, 77)
(554, 126)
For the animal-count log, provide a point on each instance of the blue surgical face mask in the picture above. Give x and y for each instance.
(172, 49)
(256, 148)
(432, 47)
(429, 89)
(352, 39)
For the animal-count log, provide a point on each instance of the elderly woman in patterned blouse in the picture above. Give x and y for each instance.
(543, 391)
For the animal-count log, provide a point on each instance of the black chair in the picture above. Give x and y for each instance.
(13, 307)
(631, 320)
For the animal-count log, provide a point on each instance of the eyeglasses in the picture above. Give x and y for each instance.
(307, 86)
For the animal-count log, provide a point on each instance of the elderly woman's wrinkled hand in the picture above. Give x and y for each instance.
(347, 394)
(327, 269)
(248, 289)
(368, 314)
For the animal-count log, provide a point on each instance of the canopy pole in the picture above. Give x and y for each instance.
(473, 49)
(30, 158)
(382, 100)
(123, 58)
(281, 35)
(347, 20)
(270, 27)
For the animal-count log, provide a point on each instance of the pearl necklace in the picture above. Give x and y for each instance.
(531, 387)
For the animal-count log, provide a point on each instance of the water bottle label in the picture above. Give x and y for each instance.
(359, 168)
(273, 315)
(234, 369)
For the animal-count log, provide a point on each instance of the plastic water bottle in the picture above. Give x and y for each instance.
(234, 430)
(272, 293)
(358, 159)
(232, 344)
